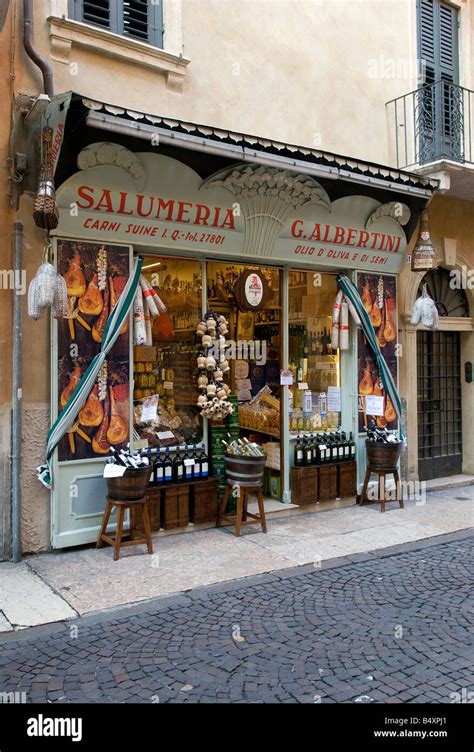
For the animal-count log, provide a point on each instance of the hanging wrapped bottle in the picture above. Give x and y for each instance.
(45, 210)
(344, 327)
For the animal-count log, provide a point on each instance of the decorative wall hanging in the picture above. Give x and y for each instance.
(213, 365)
(47, 289)
(423, 257)
(425, 311)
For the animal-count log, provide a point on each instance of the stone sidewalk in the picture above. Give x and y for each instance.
(62, 585)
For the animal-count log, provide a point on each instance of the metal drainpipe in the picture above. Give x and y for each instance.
(17, 395)
(32, 52)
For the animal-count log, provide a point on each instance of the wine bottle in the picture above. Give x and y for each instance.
(308, 452)
(340, 447)
(321, 456)
(188, 465)
(334, 448)
(298, 452)
(204, 461)
(178, 467)
(167, 467)
(158, 469)
(347, 448)
(352, 447)
(197, 464)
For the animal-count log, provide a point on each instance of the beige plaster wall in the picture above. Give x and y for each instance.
(290, 70)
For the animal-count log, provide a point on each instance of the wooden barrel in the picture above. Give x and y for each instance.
(383, 456)
(132, 485)
(245, 471)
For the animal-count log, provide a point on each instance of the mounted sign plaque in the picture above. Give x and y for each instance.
(251, 290)
(244, 211)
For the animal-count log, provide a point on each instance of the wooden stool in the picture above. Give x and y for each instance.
(242, 513)
(382, 474)
(117, 542)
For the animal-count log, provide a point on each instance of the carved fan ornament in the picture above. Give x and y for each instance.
(267, 197)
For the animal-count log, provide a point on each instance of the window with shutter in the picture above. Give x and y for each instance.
(138, 19)
(439, 105)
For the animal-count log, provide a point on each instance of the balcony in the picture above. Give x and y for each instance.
(431, 133)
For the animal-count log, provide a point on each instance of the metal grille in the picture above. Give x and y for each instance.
(439, 404)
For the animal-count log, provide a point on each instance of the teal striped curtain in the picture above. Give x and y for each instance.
(389, 386)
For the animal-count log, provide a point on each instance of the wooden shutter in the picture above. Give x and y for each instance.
(139, 19)
(438, 40)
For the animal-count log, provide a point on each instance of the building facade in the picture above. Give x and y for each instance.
(288, 75)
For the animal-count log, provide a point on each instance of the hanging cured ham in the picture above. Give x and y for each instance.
(375, 315)
(378, 390)
(389, 331)
(389, 412)
(366, 297)
(117, 431)
(366, 385)
(99, 324)
(100, 445)
(74, 278)
(92, 302)
(92, 412)
(68, 390)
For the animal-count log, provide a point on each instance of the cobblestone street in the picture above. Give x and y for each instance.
(393, 627)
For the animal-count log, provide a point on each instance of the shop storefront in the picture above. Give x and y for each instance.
(258, 245)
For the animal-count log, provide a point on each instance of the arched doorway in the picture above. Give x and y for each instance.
(440, 451)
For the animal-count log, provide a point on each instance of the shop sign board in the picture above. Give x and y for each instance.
(165, 205)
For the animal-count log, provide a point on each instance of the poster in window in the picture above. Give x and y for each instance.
(95, 276)
(379, 296)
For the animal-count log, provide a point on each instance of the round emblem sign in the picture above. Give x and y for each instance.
(254, 289)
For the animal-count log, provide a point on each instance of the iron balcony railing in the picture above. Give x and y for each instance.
(432, 123)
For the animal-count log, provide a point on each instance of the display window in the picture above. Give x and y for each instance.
(250, 299)
(164, 369)
(314, 396)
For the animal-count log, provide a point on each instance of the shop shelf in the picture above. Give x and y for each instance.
(275, 434)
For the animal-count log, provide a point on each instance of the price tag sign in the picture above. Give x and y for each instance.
(150, 409)
(374, 405)
(286, 378)
(303, 385)
(168, 385)
(113, 471)
(189, 463)
(140, 444)
(162, 435)
(334, 399)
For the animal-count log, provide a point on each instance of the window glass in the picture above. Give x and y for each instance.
(168, 367)
(314, 363)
